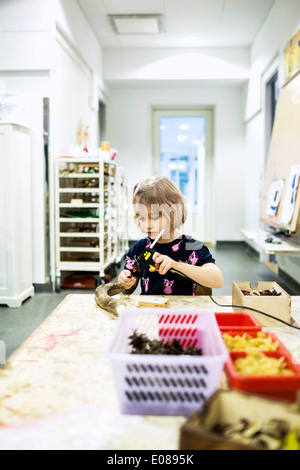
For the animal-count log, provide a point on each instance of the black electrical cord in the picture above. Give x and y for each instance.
(237, 306)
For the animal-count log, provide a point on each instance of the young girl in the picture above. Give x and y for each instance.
(159, 205)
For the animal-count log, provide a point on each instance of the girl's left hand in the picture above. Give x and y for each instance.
(165, 263)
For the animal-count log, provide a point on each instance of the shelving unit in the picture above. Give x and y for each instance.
(88, 213)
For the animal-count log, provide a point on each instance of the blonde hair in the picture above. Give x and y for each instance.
(161, 191)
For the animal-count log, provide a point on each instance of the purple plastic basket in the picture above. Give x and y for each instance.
(167, 385)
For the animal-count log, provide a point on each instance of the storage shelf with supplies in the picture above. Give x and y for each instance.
(91, 227)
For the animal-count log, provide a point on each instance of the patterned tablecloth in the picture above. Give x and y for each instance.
(57, 390)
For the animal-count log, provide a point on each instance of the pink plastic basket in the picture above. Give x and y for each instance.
(167, 385)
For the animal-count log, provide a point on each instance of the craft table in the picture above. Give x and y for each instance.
(57, 390)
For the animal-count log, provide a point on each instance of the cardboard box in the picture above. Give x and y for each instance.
(229, 407)
(277, 306)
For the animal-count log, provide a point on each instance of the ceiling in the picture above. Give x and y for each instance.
(187, 23)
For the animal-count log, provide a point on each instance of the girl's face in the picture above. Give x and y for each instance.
(152, 221)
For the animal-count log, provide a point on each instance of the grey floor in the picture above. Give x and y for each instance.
(237, 262)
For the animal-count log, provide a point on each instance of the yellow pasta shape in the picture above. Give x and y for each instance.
(259, 364)
(247, 342)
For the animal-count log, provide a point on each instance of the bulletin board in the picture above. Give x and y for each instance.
(284, 156)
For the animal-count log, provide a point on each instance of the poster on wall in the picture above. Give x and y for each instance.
(291, 193)
(274, 196)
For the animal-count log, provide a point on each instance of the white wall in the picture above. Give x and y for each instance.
(228, 63)
(26, 34)
(49, 50)
(71, 20)
(254, 168)
(70, 103)
(129, 130)
(281, 24)
(44, 48)
(140, 79)
(77, 78)
(26, 58)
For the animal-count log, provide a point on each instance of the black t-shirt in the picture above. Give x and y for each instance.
(183, 250)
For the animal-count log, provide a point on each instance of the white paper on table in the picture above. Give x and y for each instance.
(274, 196)
(291, 193)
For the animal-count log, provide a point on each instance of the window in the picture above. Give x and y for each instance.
(182, 155)
(182, 151)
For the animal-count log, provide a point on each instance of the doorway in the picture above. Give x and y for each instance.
(183, 152)
(272, 93)
(101, 121)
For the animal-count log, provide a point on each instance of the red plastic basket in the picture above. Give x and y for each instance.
(274, 386)
(237, 321)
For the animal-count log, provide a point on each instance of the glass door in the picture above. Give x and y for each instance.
(182, 151)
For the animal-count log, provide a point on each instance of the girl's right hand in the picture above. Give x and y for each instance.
(126, 279)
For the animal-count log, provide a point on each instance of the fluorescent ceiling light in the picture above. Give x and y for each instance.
(137, 24)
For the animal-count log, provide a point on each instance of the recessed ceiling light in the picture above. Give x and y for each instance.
(137, 24)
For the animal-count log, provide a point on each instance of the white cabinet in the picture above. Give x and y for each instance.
(15, 215)
(90, 194)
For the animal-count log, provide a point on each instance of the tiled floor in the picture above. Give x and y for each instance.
(237, 262)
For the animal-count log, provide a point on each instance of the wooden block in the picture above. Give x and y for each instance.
(277, 306)
(153, 302)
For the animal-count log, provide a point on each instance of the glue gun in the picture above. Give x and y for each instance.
(146, 258)
(143, 260)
